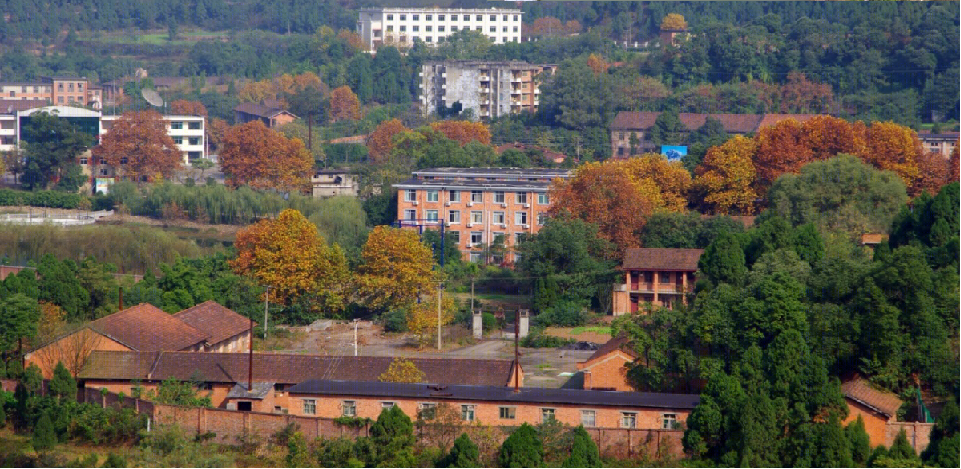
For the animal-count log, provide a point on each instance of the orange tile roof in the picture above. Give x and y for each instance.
(861, 391)
(668, 259)
(620, 342)
(218, 322)
(146, 328)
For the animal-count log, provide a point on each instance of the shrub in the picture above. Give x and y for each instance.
(584, 451)
(49, 199)
(44, 437)
(395, 321)
(538, 339)
(522, 449)
(563, 314)
(488, 321)
(464, 453)
(63, 386)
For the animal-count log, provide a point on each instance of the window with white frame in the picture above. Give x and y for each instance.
(519, 238)
(431, 215)
(547, 414)
(520, 218)
(453, 216)
(440, 29)
(455, 196)
(543, 198)
(476, 196)
(497, 218)
(475, 257)
(427, 410)
(410, 195)
(668, 421)
(454, 236)
(522, 197)
(541, 219)
(499, 197)
(467, 412)
(476, 237)
(387, 405)
(176, 125)
(410, 214)
(508, 413)
(432, 196)
(348, 408)
(310, 407)
(628, 419)
(588, 418)
(477, 217)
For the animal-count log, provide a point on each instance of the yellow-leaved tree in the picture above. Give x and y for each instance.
(673, 22)
(422, 317)
(725, 179)
(289, 254)
(397, 269)
(402, 370)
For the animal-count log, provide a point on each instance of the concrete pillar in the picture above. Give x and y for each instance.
(656, 282)
(525, 324)
(478, 325)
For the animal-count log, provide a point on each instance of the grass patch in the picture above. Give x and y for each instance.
(591, 329)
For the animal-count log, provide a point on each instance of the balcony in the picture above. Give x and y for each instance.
(662, 289)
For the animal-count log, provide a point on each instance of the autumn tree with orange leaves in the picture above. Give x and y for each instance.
(289, 255)
(182, 107)
(380, 142)
(895, 148)
(546, 26)
(138, 147)
(619, 195)
(597, 64)
(397, 269)
(724, 181)
(463, 132)
(279, 88)
(344, 104)
(255, 155)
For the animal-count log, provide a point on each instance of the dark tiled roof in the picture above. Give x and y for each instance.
(12, 106)
(620, 342)
(860, 390)
(218, 322)
(733, 123)
(288, 369)
(497, 394)
(670, 259)
(261, 389)
(118, 365)
(148, 329)
(259, 110)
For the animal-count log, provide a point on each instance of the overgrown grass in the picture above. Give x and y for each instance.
(591, 329)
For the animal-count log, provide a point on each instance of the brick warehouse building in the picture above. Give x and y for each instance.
(478, 206)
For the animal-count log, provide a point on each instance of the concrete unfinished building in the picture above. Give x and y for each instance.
(488, 89)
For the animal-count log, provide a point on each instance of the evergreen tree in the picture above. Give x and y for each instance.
(44, 437)
(944, 447)
(522, 449)
(859, 440)
(63, 386)
(834, 448)
(464, 453)
(584, 451)
(723, 260)
(901, 448)
(392, 435)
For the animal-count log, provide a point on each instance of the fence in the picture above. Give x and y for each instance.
(229, 426)
(919, 434)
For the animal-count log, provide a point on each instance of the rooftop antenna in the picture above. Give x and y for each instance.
(152, 97)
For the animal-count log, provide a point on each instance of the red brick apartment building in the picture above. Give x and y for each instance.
(478, 206)
(659, 276)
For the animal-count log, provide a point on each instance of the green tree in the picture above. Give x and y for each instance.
(901, 449)
(584, 451)
(723, 260)
(342, 221)
(464, 453)
(668, 129)
(53, 144)
(63, 386)
(44, 438)
(860, 441)
(943, 449)
(60, 285)
(521, 449)
(360, 78)
(393, 436)
(18, 319)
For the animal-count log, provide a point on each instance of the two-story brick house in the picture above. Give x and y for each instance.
(478, 206)
(659, 276)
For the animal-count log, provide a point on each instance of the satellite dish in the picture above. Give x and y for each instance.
(152, 97)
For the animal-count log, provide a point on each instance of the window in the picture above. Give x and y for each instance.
(83, 161)
(70, 87)
(79, 86)
(102, 161)
(36, 89)
(430, 17)
(428, 38)
(588, 418)
(59, 86)
(467, 412)
(478, 18)
(475, 257)
(13, 94)
(476, 196)
(508, 413)
(628, 419)
(454, 236)
(427, 411)
(59, 99)
(665, 277)
(403, 28)
(453, 29)
(515, 29)
(504, 17)
(440, 17)
(547, 414)
(493, 17)
(416, 28)
(476, 237)
(176, 125)
(515, 18)
(193, 125)
(387, 405)
(416, 17)
(432, 196)
(403, 17)
(519, 238)
(541, 219)
(477, 28)
(410, 195)
(498, 197)
(668, 421)
(504, 29)
(543, 198)
(453, 216)
(477, 217)
(390, 17)
(243, 406)
(390, 28)
(431, 215)
(193, 155)
(349, 408)
(440, 29)
(522, 197)
(123, 160)
(454, 17)
(310, 406)
(493, 29)
(104, 172)
(194, 140)
(497, 218)
(410, 214)
(520, 218)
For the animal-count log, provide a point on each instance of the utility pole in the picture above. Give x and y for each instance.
(440, 290)
(266, 298)
(356, 321)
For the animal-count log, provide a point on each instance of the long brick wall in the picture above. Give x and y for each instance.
(919, 434)
(229, 426)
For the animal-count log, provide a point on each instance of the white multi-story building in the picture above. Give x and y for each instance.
(488, 89)
(186, 131)
(403, 26)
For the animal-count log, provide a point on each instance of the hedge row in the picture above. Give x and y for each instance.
(50, 199)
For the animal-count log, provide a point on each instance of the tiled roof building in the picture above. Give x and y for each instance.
(659, 276)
